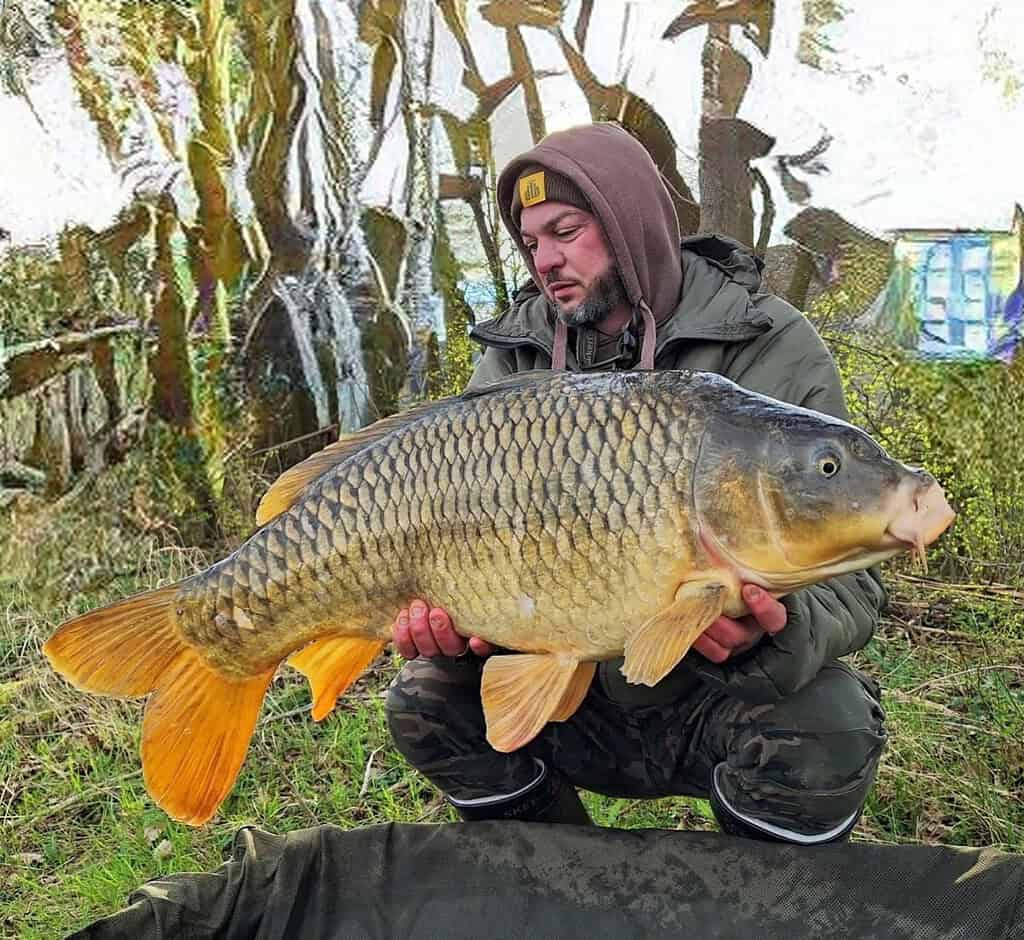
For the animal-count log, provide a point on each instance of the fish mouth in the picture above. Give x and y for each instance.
(926, 516)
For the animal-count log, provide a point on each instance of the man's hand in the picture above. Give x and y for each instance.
(420, 631)
(727, 637)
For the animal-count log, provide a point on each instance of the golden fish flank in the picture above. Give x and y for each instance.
(571, 518)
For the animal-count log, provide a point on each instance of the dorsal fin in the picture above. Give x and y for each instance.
(286, 488)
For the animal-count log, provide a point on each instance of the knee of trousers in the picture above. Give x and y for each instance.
(811, 758)
(433, 706)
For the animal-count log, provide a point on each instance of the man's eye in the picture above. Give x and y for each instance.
(531, 248)
(566, 232)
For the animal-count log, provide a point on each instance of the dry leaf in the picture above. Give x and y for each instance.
(28, 858)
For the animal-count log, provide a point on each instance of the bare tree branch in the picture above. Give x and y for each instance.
(523, 70)
(583, 23)
(29, 365)
(755, 16)
(618, 103)
(452, 11)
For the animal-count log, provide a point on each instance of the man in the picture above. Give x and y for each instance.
(759, 717)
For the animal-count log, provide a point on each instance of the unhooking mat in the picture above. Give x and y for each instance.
(532, 880)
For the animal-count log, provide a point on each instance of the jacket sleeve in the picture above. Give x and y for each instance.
(826, 620)
(494, 364)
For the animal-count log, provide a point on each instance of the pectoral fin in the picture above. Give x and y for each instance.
(521, 693)
(657, 646)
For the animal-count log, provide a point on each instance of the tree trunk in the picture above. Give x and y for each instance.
(727, 144)
(171, 366)
(76, 396)
(454, 371)
(342, 121)
(268, 131)
(106, 378)
(311, 344)
(51, 448)
(419, 299)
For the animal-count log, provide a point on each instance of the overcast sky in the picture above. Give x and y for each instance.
(921, 136)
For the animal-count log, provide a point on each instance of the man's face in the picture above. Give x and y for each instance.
(573, 262)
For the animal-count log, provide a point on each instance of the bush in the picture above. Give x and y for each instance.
(963, 421)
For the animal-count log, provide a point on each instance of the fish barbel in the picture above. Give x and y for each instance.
(567, 518)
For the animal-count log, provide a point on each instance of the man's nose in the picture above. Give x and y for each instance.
(547, 257)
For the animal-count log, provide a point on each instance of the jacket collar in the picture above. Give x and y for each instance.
(721, 280)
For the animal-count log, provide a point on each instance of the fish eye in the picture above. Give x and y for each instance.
(828, 464)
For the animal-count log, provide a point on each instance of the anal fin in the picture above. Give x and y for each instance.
(332, 664)
(655, 648)
(522, 692)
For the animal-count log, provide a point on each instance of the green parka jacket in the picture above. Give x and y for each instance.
(723, 324)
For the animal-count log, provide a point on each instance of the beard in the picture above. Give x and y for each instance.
(605, 294)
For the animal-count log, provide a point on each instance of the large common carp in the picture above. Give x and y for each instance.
(570, 518)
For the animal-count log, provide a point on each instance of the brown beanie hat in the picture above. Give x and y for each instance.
(539, 184)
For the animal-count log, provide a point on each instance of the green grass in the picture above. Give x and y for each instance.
(78, 832)
(953, 771)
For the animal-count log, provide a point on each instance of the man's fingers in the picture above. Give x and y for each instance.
(423, 631)
(480, 647)
(403, 639)
(733, 634)
(444, 634)
(708, 648)
(766, 610)
(419, 627)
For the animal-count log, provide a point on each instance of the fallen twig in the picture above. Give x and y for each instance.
(962, 723)
(965, 636)
(288, 714)
(974, 590)
(366, 772)
(942, 680)
(82, 797)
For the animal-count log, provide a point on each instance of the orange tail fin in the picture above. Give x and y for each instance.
(122, 649)
(198, 723)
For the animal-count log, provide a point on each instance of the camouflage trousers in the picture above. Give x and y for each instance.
(804, 764)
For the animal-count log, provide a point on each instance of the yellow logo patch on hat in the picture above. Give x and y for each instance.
(531, 189)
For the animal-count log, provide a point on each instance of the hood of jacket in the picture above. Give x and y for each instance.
(625, 190)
